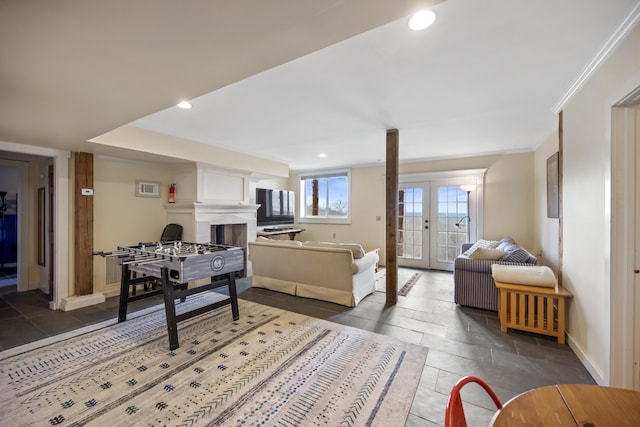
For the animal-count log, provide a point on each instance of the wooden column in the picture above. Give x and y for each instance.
(314, 197)
(83, 224)
(391, 247)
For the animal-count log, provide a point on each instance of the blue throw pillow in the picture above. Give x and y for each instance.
(517, 255)
(506, 243)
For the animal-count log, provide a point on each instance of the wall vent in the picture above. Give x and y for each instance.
(147, 188)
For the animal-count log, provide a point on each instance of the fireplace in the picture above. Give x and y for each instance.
(231, 235)
(233, 225)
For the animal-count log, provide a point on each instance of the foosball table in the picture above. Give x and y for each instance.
(172, 266)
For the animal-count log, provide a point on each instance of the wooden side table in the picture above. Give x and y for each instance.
(533, 309)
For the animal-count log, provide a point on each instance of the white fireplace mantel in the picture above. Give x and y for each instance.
(197, 218)
(220, 207)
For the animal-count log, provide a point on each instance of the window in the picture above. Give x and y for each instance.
(325, 197)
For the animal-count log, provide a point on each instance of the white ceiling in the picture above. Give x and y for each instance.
(306, 77)
(483, 79)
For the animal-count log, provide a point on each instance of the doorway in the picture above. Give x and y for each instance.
(8, 226)
(413, 225)
(24, 155)
(14, 227)
(434, 220)
(625, 244)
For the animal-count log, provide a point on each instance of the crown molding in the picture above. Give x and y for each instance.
(612, 43)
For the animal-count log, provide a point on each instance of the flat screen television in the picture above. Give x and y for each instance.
(276, 207)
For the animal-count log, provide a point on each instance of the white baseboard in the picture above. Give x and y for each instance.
(586, 361)
(76, 302)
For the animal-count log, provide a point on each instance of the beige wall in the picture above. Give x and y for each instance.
(121, 218)
(586, 192)
(508, 204)
(508, 200)
(546, 243)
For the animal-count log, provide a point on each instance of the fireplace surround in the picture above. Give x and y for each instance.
(233, 225)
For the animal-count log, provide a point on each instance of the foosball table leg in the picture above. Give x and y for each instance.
(233, 295)
(124, 293)
(184, 287)
(170, 310)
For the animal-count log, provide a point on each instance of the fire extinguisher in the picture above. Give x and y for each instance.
(172, 193)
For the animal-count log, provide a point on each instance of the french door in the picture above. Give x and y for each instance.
(454, 226)
(433, 222)
(413, 225)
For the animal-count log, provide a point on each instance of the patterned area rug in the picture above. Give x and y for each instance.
(271, 367)
(408, 278)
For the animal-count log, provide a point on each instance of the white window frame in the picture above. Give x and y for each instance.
(302, 199)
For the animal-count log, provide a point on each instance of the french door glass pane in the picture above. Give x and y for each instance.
(452, 210)
(410, 218)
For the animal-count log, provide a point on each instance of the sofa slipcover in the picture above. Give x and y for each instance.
(327, 272)
(473, 283)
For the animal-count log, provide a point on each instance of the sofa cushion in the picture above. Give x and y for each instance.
(485, 253)
(486, 244)
(278, 241)
(518, 254)
(505, 243)
(355, 248)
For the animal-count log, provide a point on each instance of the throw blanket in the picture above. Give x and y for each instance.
(524, 275)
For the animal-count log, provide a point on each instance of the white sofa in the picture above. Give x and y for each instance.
(339, 273)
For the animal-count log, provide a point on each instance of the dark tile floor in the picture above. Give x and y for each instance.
(461, 341)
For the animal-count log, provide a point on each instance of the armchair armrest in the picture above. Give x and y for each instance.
(481, 265)
(477, 265)
(369, 260)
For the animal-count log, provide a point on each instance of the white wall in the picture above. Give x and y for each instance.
(546, 243)
(508, 202)
(587, 195)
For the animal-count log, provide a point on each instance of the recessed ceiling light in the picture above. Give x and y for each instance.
(422, 19)
(322, 155)
(184, 104)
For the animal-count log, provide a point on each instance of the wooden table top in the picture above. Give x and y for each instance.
(602, 406)
(582, 405)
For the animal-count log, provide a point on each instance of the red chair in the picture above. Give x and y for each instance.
(454, 417)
